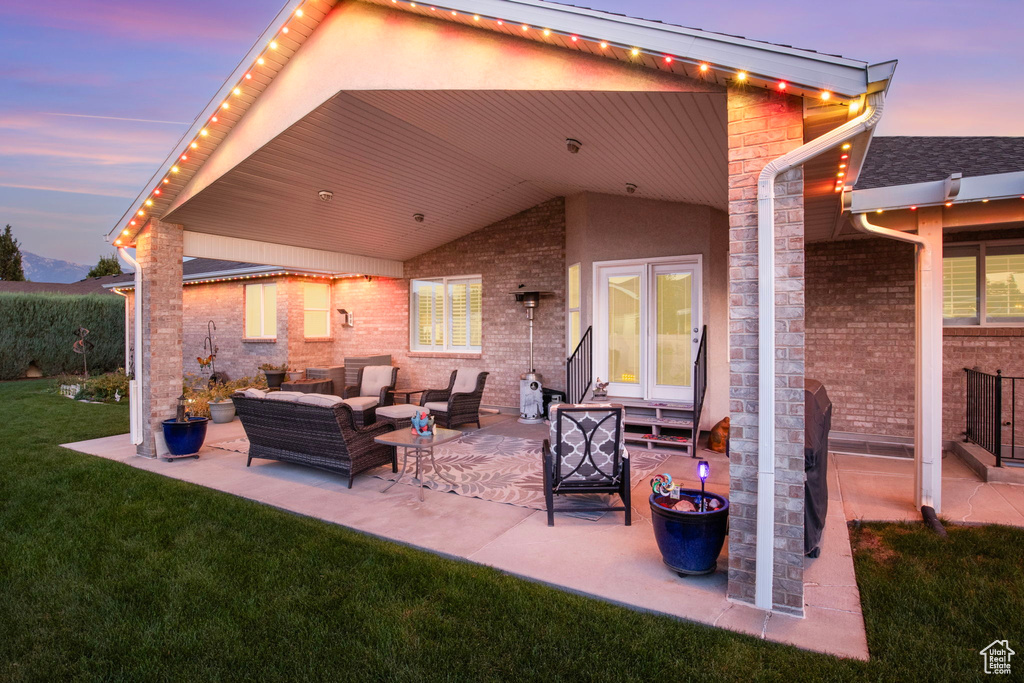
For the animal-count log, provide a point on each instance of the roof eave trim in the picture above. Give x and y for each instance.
(935, 193)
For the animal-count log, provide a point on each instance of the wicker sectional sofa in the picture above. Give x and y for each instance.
(311, 429)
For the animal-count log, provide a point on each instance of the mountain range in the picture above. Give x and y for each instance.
(41, 269)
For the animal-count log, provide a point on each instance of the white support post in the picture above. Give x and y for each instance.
(928, 370)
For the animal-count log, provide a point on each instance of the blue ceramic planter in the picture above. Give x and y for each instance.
(185, 438)
(690, 542)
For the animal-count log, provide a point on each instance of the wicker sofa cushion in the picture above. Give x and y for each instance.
(252, 392)
(439, 406)
(325, 400)
(375, 378)
(465, 380)
(362, 403)
(292, 396)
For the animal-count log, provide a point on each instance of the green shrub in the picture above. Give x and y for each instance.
(41, 328)
(107, 387)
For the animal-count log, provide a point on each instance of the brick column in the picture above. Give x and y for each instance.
(159, 253)
(763, 126)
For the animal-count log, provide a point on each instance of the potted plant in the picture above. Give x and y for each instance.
(295, 375)
(274, 374)
(690, 525)
(222, 408)
(184, 433)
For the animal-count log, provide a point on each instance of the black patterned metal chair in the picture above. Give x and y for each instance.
(588, 455)
(460, 402)
(373, 387)
(311, 429)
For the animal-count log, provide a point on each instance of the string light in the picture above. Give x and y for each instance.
(636, 51)
(913, 208)
(284, 30)
(184, 157)
(156, 191)
(949, 203)
(140, 212)
(879, 211)
(476, 17)
(194, 145)
(298, 12)
(547, 32)
(259, 60)
(525, 27)
(204, 132)
(826, 95)
(500, 22)
(214, 119)
(174, 169)
(704, 67)
(149, 202)
(224, 105)
(668, 60)
(237, 91)
(846, 146)
(604, 45)
(741, 76)
(126, 231)
(575, 39)
(166, 181)
(273, 45)
(783, 85)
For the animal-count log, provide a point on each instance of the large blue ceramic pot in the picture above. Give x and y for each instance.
(690, 542)
(185, 438)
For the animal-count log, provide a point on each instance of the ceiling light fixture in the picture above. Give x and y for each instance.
(573, 145)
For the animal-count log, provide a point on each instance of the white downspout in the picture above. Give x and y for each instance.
(135, 386)
(928, 359)
(765, 545)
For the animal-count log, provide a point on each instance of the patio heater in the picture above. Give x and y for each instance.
(531, 384)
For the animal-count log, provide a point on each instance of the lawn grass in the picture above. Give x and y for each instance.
(110, 572)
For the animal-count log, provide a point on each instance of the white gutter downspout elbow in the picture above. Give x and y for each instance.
(135, 386)
(765, 544)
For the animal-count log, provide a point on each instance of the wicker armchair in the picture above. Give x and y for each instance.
(589, 456)
(460, 402)
(325, 437)
(373, 387)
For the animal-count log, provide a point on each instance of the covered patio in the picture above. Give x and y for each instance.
(384, 143)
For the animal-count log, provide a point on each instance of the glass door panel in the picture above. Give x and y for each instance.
(675, 308)
(624, 329)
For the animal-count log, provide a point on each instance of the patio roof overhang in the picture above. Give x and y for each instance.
(321, 102)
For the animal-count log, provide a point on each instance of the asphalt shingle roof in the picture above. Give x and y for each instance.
(91, 285)
(202, 266)
(917, 159)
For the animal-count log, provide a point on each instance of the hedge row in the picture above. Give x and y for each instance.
(41, 329)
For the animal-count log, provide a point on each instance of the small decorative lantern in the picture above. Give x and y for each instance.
(180, 417)
(703, 470)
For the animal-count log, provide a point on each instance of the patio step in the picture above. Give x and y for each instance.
(652, 421)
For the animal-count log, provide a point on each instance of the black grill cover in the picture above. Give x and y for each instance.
(817, 423)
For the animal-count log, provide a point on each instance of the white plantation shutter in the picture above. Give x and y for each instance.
(446, 314)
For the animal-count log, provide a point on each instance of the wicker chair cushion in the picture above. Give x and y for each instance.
(375, 378)
(361, 403)
(254, 393)
(325, 400)
(398, 412)
(574, 465)
(439, 406)
(465, 380)
(291, 396)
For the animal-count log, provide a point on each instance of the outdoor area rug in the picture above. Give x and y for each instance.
(503, 469)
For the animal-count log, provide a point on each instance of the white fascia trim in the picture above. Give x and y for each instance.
(840, 75)
(285, 256)
(936, 192)
(209, 110)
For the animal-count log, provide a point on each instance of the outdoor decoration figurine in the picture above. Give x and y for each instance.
(718, 439)
(421, 423)
(601, 390)
(83, 346)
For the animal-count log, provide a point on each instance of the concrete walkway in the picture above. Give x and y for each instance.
(603, 558)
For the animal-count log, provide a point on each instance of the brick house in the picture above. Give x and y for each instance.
(653, 180)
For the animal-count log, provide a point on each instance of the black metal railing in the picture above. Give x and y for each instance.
(579, 369)
(700, 383)
(986, 421)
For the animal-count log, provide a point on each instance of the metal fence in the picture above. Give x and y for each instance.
(991, 412)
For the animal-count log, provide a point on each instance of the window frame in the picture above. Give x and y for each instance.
(306, 308)
(980, 250)
(571, 343)
(447, 317)
(263, 312)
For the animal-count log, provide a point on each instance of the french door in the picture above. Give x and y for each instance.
(647, 316)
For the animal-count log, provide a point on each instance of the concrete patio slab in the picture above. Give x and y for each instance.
(601, 558)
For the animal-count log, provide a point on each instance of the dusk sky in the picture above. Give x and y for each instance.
(94, 94)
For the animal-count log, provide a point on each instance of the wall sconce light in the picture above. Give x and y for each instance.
(347, 319)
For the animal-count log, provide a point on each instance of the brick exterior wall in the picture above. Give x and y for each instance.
(763, 126)
(528, 247)
(158, 251)
(860, 337)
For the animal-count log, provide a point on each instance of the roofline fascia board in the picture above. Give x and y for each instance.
(840, 75)
(285, 256)
(935, 193)
(209, 110)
